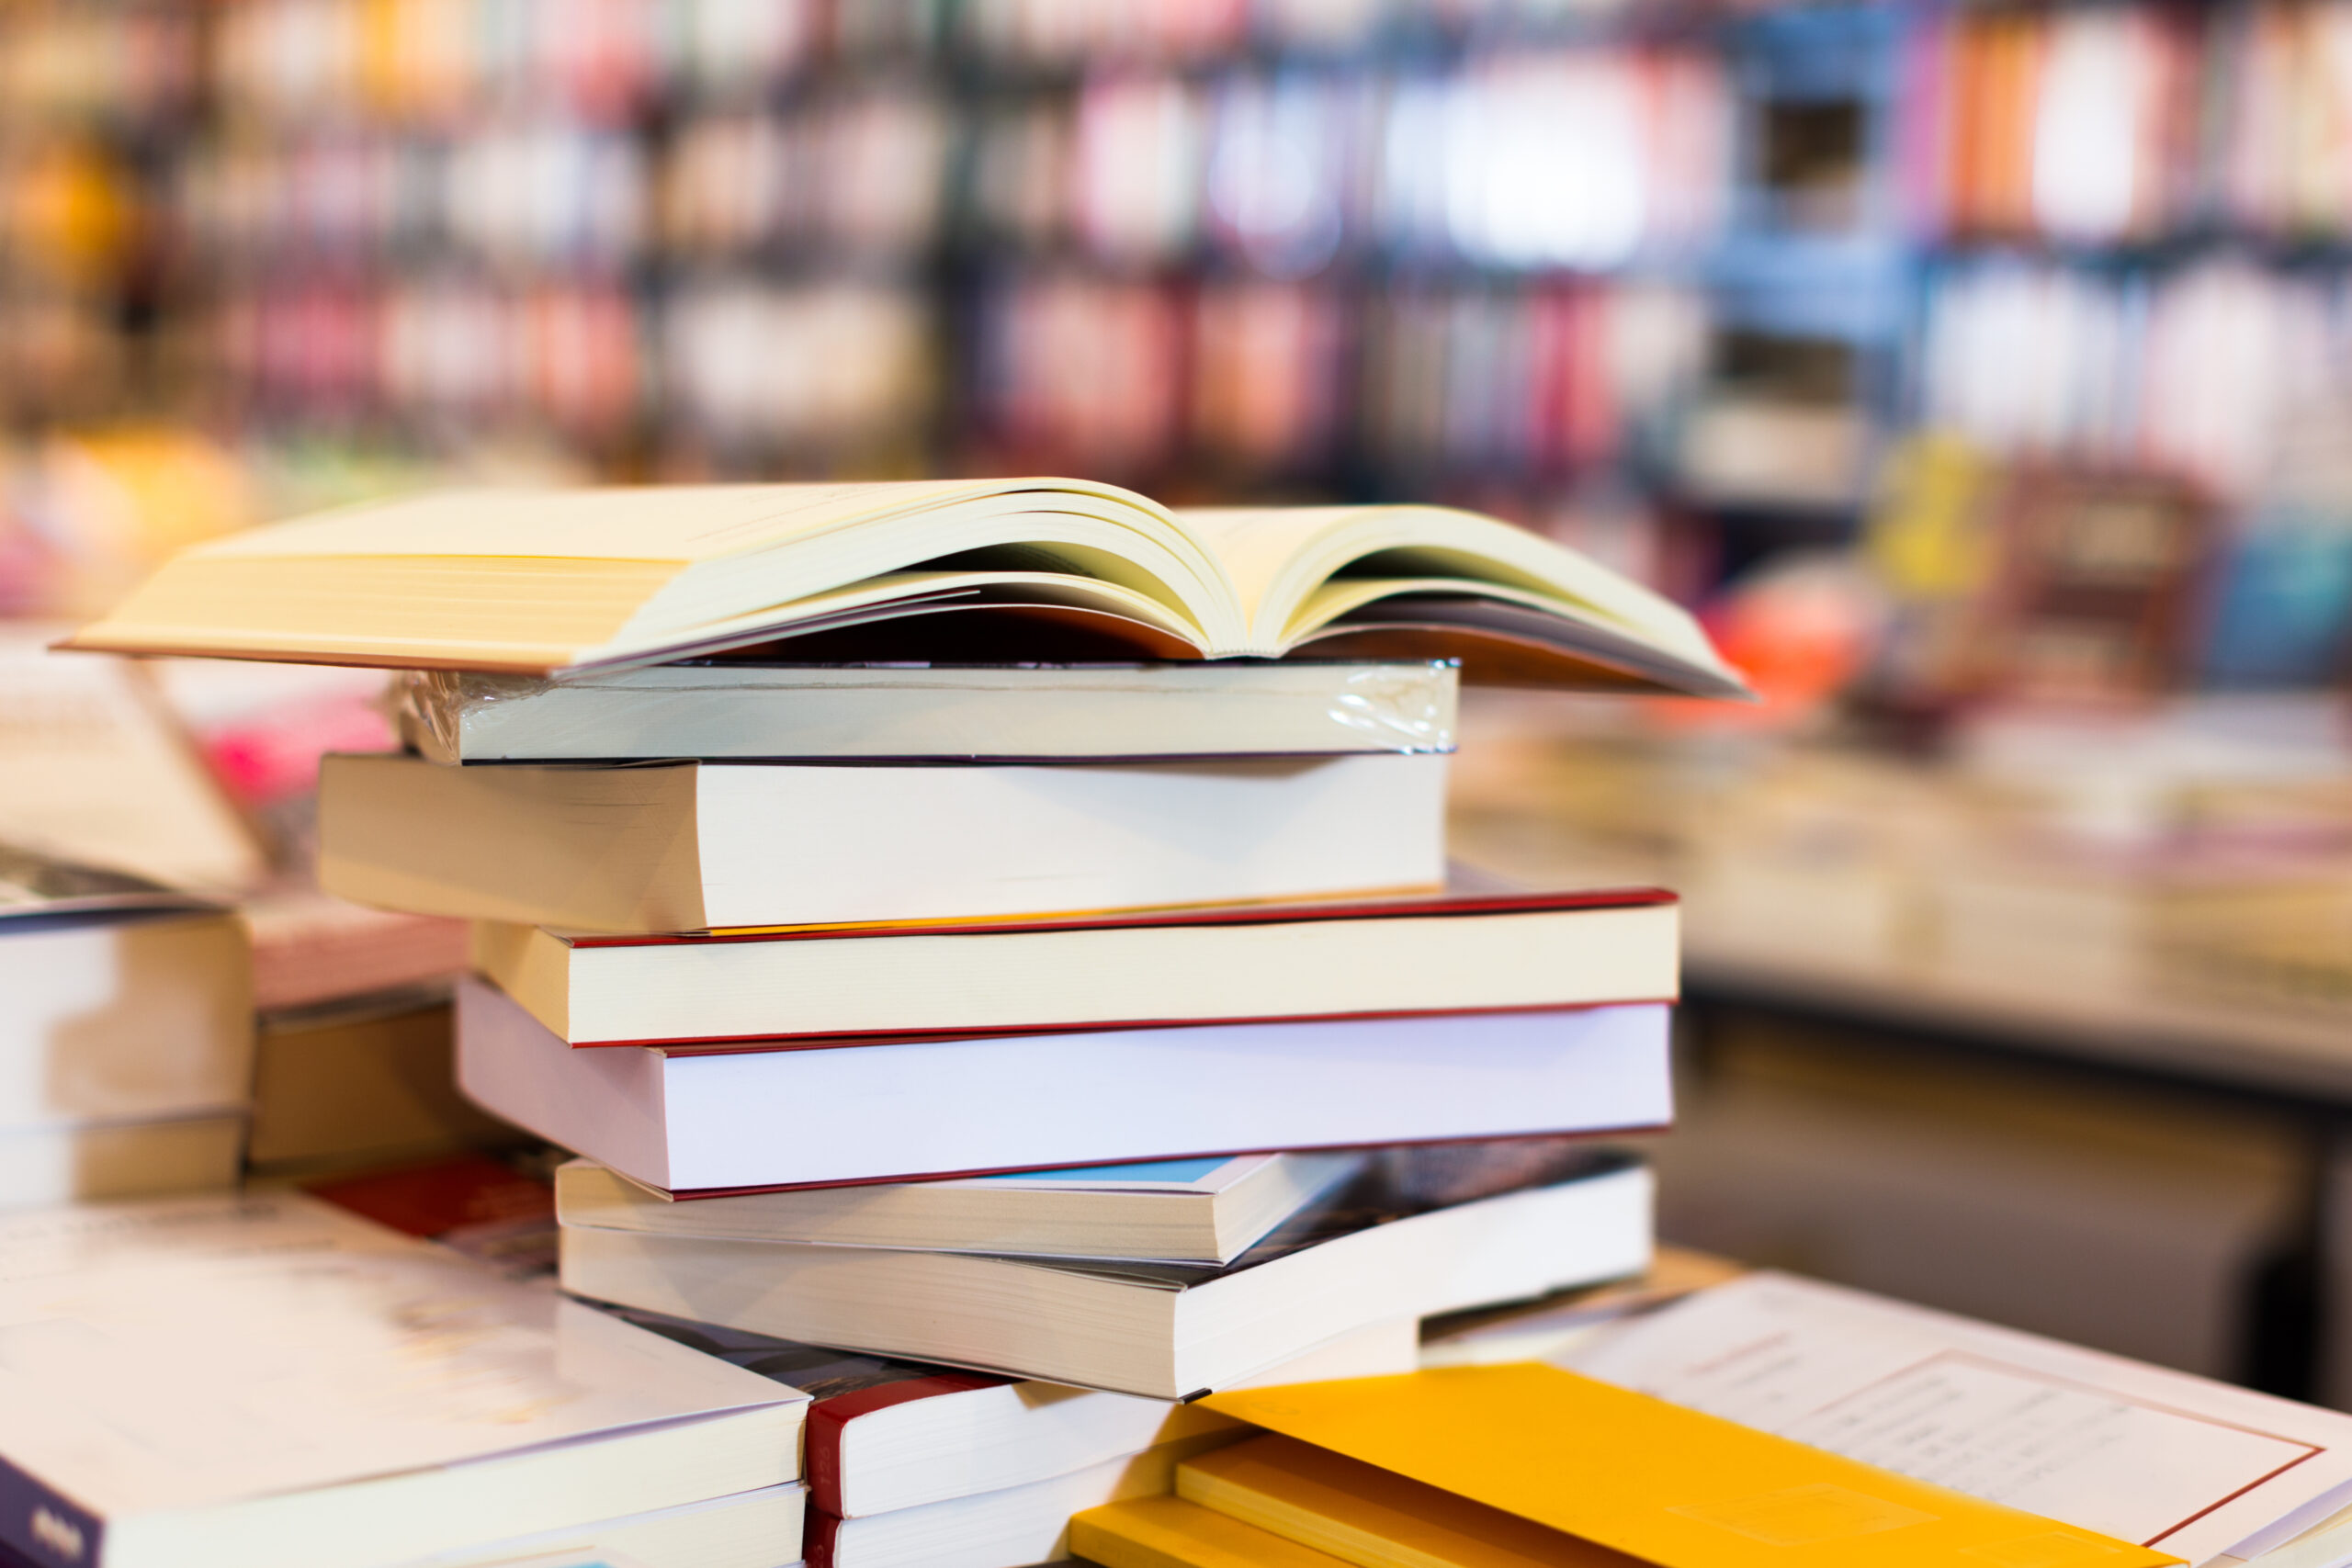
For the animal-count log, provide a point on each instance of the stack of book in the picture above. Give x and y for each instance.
(951, 967)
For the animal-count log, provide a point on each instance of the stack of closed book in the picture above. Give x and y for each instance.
(954, 935)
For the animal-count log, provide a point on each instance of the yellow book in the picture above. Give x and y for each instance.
(1671, 1486)
(539, 581)
(1168, 1532)
(1370, 1517)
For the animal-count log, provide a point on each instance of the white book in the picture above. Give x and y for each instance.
(43, 1167)
(1182, 1210)
(1542, 1215)
(756, 712)
(124, 1000)
(1009, 1528)
(760, 1529)
(266, 1381)
(688, 846)
(693, 1122)
(885, 1434)
(2199, 1469)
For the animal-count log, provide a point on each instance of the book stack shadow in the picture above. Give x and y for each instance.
(1005, 1104)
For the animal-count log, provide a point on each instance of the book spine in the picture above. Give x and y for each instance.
(43, 1525)
(818, 1536)
(820, 1462)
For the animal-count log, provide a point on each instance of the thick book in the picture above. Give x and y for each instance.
(1357, 1512)
(266, 1381)
(763, 1529)
(685, 846)
(126, 1000)
(83, 1162)
(885, 1436)
(1375, 958)
(1166, 1531)
(740, 710)
(536, 582)
(1424, 1231)
(1665, 1486)
(1011, 1528)
(701, 1123)
(1181, 1210)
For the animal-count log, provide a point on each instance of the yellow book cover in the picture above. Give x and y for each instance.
(1671, 1486)
(1168, 1532)
(1371, 1517)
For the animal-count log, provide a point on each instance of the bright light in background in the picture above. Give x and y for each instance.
(1544, 161)
(1138, 162)
(1275, 178)
(2098, 91)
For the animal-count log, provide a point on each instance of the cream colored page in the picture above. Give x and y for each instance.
(176, 1354)
(1262, 548)
(2176, 1462)
(685, 523)
(1257, 544)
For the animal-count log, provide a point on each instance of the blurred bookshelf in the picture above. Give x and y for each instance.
(1671, 280)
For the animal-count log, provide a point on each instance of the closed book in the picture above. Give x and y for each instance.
(84, 1161)
(689, 1122)
(1011, 1528)
(1362, 1513)
(1194, 1211)
(688, 846)
(761, 1528)
(1450, 953)
(1169, 1532)
(1423, 1232)
(886, 1434)
(1663, 1484)
(266, 1381)
(537, 583)
(745, 711)
(126, 1000)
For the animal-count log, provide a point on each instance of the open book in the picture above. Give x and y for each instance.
(545, 582)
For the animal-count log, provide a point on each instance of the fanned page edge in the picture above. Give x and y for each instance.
(1277, 588)
(737, 526)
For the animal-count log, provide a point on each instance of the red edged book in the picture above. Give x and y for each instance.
(1451, 952)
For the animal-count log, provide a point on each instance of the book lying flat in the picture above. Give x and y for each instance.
(741, 710)
(885, 1436)
(86, 1161)
(1185, 1211)
(539, 582)
(127, 1000)
(1340, 959)
(1362, 1513)
(1424, 1230)
(1011, 1528)
(265, 1382)
(2179, 1463)
(685, 846)
(1669, 1486)
(763, 1529)
(1169, 1532)
(712, 1122)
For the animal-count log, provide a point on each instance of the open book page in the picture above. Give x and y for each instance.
(2176, 1462)
(1281, 558)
